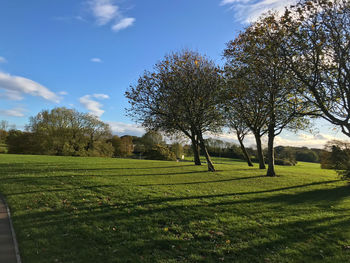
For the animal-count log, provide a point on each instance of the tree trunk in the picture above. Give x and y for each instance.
(271, 152)
(259, 150)
(196, 156)
(245, 153)
(207, 157)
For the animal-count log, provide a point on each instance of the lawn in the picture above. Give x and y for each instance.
(68, 209)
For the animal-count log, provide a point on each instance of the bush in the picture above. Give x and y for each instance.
(284, 162)
(160, 152)
(3, 149)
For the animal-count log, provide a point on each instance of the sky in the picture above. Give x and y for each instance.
(84, 54)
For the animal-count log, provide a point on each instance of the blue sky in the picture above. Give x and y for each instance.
(85, 53)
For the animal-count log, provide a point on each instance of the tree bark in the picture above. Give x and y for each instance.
(245, 153)
(259, 150)
(271, 152)
(206, 154)
(196, 156)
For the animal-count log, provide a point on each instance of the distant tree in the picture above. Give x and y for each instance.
(177, 148)
(96, 131)
(181, 95)
(336, 155)
(317, 50)
(116, 143)
(306, 155)
(63, 131)
(126, 146)
(151, 138)
(19, 142)
(286, 153)
(160, 152)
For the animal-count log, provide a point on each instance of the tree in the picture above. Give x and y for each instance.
(63, 131)
(181, 95)
(244, 99)
(238, 126)
(258, 50)
(160, 152)
(177, 148)
(126, 146)
(317, 50)
(151, 138)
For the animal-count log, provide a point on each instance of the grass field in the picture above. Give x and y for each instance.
(118, 210)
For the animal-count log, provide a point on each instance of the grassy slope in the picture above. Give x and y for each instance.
(114, 210)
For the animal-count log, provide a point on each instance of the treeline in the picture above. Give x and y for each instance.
(67, 132)
(62, 131)
(284, 155)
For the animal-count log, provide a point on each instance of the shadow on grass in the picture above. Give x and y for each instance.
(139, 232)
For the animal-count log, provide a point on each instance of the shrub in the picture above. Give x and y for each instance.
(284, 162)
(160, 152)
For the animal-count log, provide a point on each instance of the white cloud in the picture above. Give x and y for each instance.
(16, 112)
(63, 93)
(93, 106)
(15, 86)
(3, 60)
(96, 60)
(101, 96)
(250, 10)
(124, 23)
(122, 128)
(106, 12)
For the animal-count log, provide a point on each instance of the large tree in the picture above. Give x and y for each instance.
(317, 50)
(258, 51)
(182, 94)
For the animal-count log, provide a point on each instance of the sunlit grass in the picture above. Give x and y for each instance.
(68, 209)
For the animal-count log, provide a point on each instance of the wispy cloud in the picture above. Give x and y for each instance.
(247, 11)
(94, 107)
(3, 60)
(122, 128)
(124, 23)
(108, 12)
(16, 112)
(96, 60)
(14, 87)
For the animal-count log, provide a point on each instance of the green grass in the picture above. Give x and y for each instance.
(119, 210)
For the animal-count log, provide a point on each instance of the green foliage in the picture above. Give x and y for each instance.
(62, 131)
(125, 210)
(160, 152)
(337, 157)
(122, 147)
(150, 139)
(178, 149)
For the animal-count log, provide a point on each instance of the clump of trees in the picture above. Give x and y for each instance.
(337, 156)
(279, 72)
(123, 146)
(62, 131)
